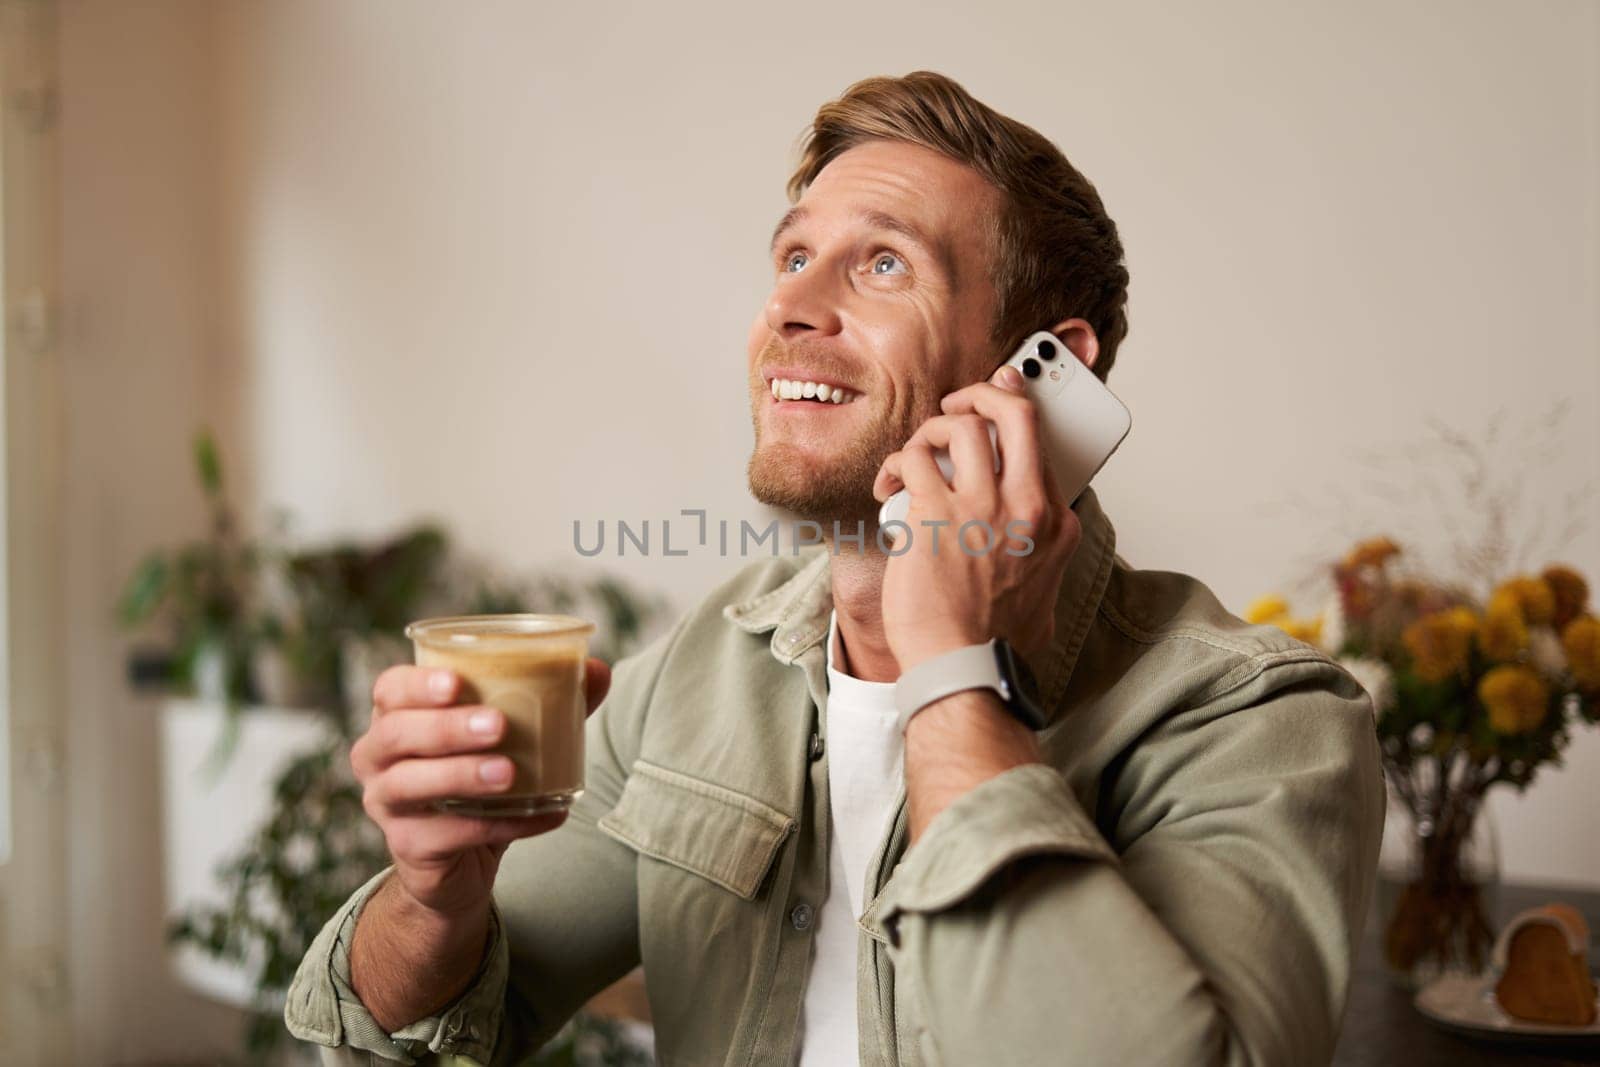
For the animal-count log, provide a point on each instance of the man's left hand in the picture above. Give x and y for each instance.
(939, 596)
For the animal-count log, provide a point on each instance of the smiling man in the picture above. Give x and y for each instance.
(940, 807)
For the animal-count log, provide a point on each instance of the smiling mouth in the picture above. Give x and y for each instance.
(790, 390)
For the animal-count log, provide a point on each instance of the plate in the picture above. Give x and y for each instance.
(1466, 1003)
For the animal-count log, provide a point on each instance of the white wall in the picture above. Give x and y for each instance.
(137, 258)
(496, 262)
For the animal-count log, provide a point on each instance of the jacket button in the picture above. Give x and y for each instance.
(816, 746)
(800, 917)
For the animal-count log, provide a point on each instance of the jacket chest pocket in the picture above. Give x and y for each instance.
(715, 833)
(708, 917)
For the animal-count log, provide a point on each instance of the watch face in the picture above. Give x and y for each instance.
(1025, 679)
(1024, 703)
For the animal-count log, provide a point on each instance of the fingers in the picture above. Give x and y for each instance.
(420, 750)
(424, 730)
(1016, 421)
(596, 682)
(965, 438)
(912, 467)
(412, 732)
(424, 839)
(410, 784)
(405, 686)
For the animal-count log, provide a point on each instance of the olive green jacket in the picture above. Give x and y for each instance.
(1183, 882)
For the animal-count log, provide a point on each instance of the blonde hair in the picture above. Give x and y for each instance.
(1055, 252)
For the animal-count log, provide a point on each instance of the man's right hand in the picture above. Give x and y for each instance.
(421, 935)
(420, 749)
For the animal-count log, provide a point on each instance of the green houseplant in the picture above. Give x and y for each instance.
(205, 590)
(206, 593)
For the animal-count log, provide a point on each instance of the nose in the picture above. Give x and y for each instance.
(806, 301)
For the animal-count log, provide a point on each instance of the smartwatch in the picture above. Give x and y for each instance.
(993, 665)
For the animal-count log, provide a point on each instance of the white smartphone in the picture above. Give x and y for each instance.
(1080, 421)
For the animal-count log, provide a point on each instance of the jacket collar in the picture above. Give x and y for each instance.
(797, 611)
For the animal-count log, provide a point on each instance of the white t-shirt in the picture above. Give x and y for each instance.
(865, 772)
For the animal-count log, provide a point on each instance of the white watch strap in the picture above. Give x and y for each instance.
(933, 679)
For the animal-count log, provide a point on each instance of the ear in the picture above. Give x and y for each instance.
(1080, 339)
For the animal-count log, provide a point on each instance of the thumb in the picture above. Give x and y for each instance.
(596, 682)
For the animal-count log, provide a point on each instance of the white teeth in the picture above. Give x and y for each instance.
(787, 389)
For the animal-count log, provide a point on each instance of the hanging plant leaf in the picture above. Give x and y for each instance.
(145, 590)
(207, 463)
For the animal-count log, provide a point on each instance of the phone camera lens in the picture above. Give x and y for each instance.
(1046, 350)
(1031, 368)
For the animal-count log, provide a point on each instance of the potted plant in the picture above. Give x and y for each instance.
(349, 606)
(205, 592)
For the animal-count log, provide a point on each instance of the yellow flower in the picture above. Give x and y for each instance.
(1504, 633)
(1571, 593)
(1373, 552)
(1439, 642)
(1307, 630)
(1516, 697)
(1268, 609)
(1537, 601)
(1581, 642)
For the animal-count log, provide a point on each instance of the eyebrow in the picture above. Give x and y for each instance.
(878, 220)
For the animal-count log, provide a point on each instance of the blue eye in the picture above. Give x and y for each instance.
(789, 260)
(884, 256)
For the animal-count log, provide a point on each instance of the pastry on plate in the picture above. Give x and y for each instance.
(1542, 956)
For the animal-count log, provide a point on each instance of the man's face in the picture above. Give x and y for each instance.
(882, 290)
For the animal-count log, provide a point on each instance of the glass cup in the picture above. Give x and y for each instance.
(530, 667)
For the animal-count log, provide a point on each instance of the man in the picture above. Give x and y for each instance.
(1173, 869)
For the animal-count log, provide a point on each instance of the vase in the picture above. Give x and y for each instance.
(1438, 887)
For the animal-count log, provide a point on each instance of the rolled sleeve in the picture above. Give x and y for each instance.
(1222, 896)
(323, 1008)
(1025, 811)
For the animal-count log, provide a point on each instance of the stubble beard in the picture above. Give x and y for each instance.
(823, 491)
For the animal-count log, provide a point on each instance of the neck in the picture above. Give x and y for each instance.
(858, 605)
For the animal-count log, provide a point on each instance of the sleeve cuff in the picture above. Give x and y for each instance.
(1026, 811)
(322, 1007)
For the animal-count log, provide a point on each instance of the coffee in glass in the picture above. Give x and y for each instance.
(530, 667)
